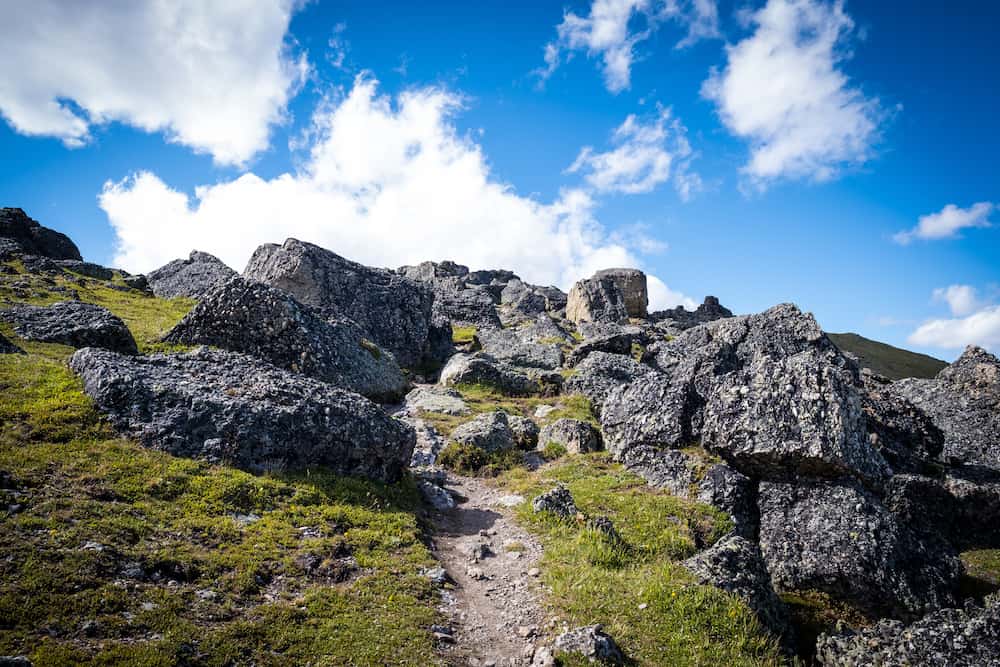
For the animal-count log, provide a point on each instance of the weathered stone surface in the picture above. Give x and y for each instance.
(510, 346)
(7, 347)
(669, 469)
(525, 431)
(482, 369)
(436, 496)
(88, 269)
(964, 402)
(947, 638)
(490, 431)
(575, 435)
(436, 399)
(230, 407)
(600, 373)
(137, 283)
(193, 277)
(430, 271)
(455, 299)
(72, 323)
(681, 318)
(269, 324)
(520, 301)
(429, 443)
(591, 642)
(902, 433)
(733, 493)
(396, 312)
(617, 341)
(840, 539)
(735, 565)
(34, 239)
(611, 295)
(559, 501)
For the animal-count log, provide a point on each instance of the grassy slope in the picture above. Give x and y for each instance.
(887, 360)
(94, 510)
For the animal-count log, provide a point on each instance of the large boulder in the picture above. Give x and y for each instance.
(964, 402)
(902, 433)
(482, 369)
(89, 269)
(521, 301)
(455, 299)
(193, 277)
(600, 373)
(967, 637)
(577, 436)
(611, 295)
(435, 399)
(72, 323)
(513, 347)
(618, 340)
(28, 237)
(735, 565)
(681, 318)
(490, 432)
(229, 407)
(396, 312)
(838, 538)
(7, 347)
(269, 324)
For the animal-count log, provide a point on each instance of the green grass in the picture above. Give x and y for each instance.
(595, 581)
(982, 572)
(463, 335)
(892, 362)
(482, 398)
(553, 450)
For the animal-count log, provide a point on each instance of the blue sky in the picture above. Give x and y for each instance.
(838, 155)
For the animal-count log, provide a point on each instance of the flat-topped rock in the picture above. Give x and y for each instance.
(193, 277)
(611, 295)
(72, 323)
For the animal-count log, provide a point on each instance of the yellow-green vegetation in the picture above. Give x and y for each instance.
(638, 351)
(982, 572)
(117, 554)
(481, 398)
(553, 450)
(815, 612)
(462, 335)
(639, 591)
(471, 460)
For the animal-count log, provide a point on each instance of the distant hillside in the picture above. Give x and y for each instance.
(887, 360)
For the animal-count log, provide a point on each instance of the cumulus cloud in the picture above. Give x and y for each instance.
(386, 182)
(948, 223)
(980, 328)
(643, 157)
(961, 299)
(609, 32)
(782, 91)
(214, 76)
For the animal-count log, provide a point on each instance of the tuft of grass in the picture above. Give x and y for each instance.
(463, 335)
(815, 612)
(595, 580)
(574, 406)
(471, 460)
(371, 348)
(982, 572)
(553, 450)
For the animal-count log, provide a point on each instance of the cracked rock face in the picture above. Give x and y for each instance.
(509, 346)
(600, 373)
(25, 236)
(964, 402)
(840, 539)
(482, 369)
(193, 277)
(269, 324)
(229, 407)
(490, 432)
(72, 323)
(681, 318)
(611, 295)
(393, 310)
(436, 399)
(577, 436)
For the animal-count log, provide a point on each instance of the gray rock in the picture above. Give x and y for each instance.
(619, 341)
(14, 661)
(575, 435)
(525, 431)
(591, 642)
(429, 444)
(437, 497)
(668, 469)
(192, 277)
(902, 433)
(482, 369)
(681, 318)
(964, 402)
(395, 311)
(89, 269)
(269, 324)
(611, 295)
(600, 373)
(733, 493)
(945, 638)
(467, 307)
(509, 346)
(31, 238)
(7, 347)
(72, 323)
(430, 271)
(490, 431)
(840, 539)
(230, 407)
(520, 301)
(139, 283)
(735, 565)
(436, 399)
(558, 501)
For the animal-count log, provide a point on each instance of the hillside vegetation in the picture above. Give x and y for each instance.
(892, 362)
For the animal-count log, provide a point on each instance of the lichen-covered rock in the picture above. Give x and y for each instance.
(840, 539)
(72, 323)
(577, 436)
(558, 501)
(651, 411)
(393, 310)
(89, 269)
(138, 282)
(902, 433)
(681, 318)
(455, 299)
(600, 373)
(525, 431)
(193, 277)
(31, 238)
(269, 324)
(964, 402)
(509, 346)
(947, 638)
(7, 347)
(436, 399)
(617, 341)
(611, 295)
(482, 369)
(592, 643)
(229, 407)
(733, 493)
(490, 431)
(520, 301)
(735, 565)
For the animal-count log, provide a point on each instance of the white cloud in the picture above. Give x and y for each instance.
(645, 153)
(782, 91)
(608, 32)
(947, 223)
(961, 299)
(980, 328)
(386, 184)
(214, 76)
(662, 297)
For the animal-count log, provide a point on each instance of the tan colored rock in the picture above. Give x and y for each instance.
(610, 295)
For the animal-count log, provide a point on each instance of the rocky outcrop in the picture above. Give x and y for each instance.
(72, 323)
(964, 402)
(7, 347)
(681, 318)
(514, 347)
(615, 339)
(394, 311)
(193, 277)
(611, 295)
(558, 501)
(482, 369)
(967, 637)
(578, 437)
(28, 237)
(89, 269)
(229, 407)
(600, 373)
(520, 301)
(436, 399)
(838, 538)
(269, 324)
(592, 643)
(490, 432)
(735, 565)
(902, 433)
(456, 300)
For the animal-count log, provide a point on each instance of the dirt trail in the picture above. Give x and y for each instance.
(495, 609)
